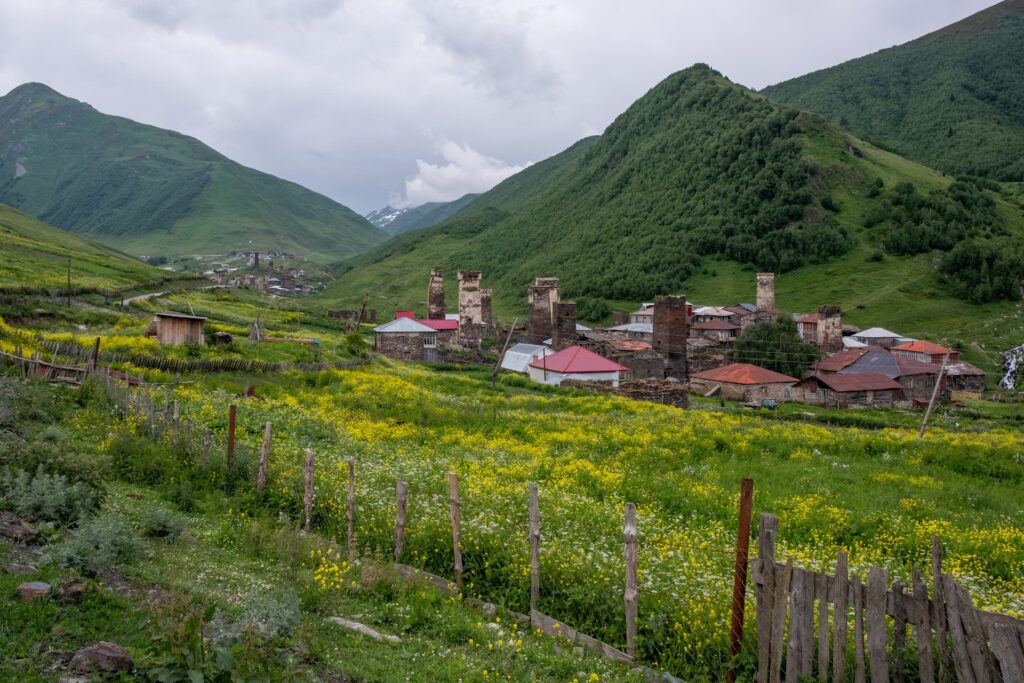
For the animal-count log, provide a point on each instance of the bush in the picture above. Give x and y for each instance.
(141, 461)
(271, 614)
(876, 256)
(96, 546)
(160, 523)
(48, 497)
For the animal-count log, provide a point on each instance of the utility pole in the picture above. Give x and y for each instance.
(501, 356)
(935, 393)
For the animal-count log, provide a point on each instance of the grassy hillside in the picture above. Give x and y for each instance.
(953, 99)
(35, 256)
(152, 191)
(673, 198)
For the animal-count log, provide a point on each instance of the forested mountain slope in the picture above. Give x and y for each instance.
(953, 99)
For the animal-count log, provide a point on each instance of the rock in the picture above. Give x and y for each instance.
(104, 656)
(136, 496)
(72, 679)
(17, 532)
(364, 629)
(187, 537)
(71, 592)
(33, 590)
(15, 568)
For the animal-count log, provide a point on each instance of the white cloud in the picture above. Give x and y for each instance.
(465, 170)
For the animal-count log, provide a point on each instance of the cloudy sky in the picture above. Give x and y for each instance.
(370, 101)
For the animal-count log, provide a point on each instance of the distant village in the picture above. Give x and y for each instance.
(671, 348)
(279, 279)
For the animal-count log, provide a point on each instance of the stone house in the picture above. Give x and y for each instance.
(866, 389)
(878, 336)
(406, 339)
(718, 330)
(744, 382)
(927, 352)
(916, 378)
(576, 363)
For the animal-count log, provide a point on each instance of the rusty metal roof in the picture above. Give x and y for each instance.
(744, 373)
(862, 381)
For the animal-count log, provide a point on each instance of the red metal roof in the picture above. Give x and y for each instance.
(926, 347)
(744, 373)
(839, 360)
(806, 318)
(862, 381)
(714, 325)
(577, 359)
(405, 314)
(440, 324)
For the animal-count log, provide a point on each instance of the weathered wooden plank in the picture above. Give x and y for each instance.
(534, 547)
(261, 475)
(877, 632)
(982, 661)
(1009, 651)
(801, 633)
(859, 673)
(779, 603)
(807, 627)
(938, 615)
(821, 595)
(899, 638)
(557, 629)
(439, 582)
(765, 592)
(401, 493)
(961, 655)
(840, 588)
(456, 512)
(923, 630)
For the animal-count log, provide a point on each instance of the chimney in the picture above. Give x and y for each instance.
(830, 328)
(435, 296)
(564, 333)
(470, 309)
(541, 297)
(671, 328)
(765, 296)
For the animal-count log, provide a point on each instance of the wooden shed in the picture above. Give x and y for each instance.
(174, 329)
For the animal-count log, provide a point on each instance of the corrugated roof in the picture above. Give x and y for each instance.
(577, 360)
(923, 346)
(744, 373)
(714, 325)
(876, 333)
(714, 311)
(519, 356)
(863, 381)
(839, 360)
(963, 369)
(402, 325)
(184, 316)
(806, 318)
(440, 324)
(889, 364)
(647, 328)
(851, 343)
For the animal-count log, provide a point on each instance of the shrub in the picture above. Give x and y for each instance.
(161, 523)
(271, 614)
(876, 256)
(97, 545)
(48, 497)
(141, 461)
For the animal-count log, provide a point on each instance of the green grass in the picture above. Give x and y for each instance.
(35, 258)
(151, 191)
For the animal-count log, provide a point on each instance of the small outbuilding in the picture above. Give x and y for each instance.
(576, 363)
(865, 389)
(406, 339)
(519, 356)
(743, 382)
(175, 329)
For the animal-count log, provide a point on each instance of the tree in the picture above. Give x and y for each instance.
(776, 345)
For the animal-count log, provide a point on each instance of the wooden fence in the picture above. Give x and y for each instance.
(953, 640)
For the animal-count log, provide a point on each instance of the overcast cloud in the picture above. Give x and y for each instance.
(419, 100)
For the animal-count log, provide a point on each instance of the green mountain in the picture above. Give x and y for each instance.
(396, 221)
(146, 190)
(953, 99)
(700, 184)
(35, 257)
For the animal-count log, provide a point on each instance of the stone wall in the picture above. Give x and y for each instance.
(563, 333)
(401, 345)
(435, 296)
(541, 298)
(665, 391)
(470, 309)
(830, 328)
(671, 329)
(765, 296)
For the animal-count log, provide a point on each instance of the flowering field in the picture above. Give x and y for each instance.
(879, 494)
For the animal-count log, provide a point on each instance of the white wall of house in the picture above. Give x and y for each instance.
(539, 375)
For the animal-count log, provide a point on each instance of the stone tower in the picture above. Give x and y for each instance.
(541, 297)
(765, 296)
(486, 316)
(563, 333)
(435, 296)
(830, 328)
(671, 329)
(470, 309)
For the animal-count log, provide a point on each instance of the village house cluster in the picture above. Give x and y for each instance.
(282, 281)
(670, 344)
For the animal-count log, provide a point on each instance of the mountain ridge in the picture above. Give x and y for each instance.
(151, 190)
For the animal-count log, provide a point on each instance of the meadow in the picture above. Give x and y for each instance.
(879, 494)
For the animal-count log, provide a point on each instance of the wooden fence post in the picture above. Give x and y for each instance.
(899, 630)
(859, 675)
(877, 633)
(767, 527)
(401, 495)
(176, 423)
(307, 499)
(939, 613)
(923, 629)
(207, 438)
(629, 536)
(232, 414)
(779, 621)
(261, 474)
(351, 506)
(456, 509)
(739, 583)
(841, 629)
(534, 537)
(166, 414)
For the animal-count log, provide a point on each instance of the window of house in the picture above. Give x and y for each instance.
(430, 341)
